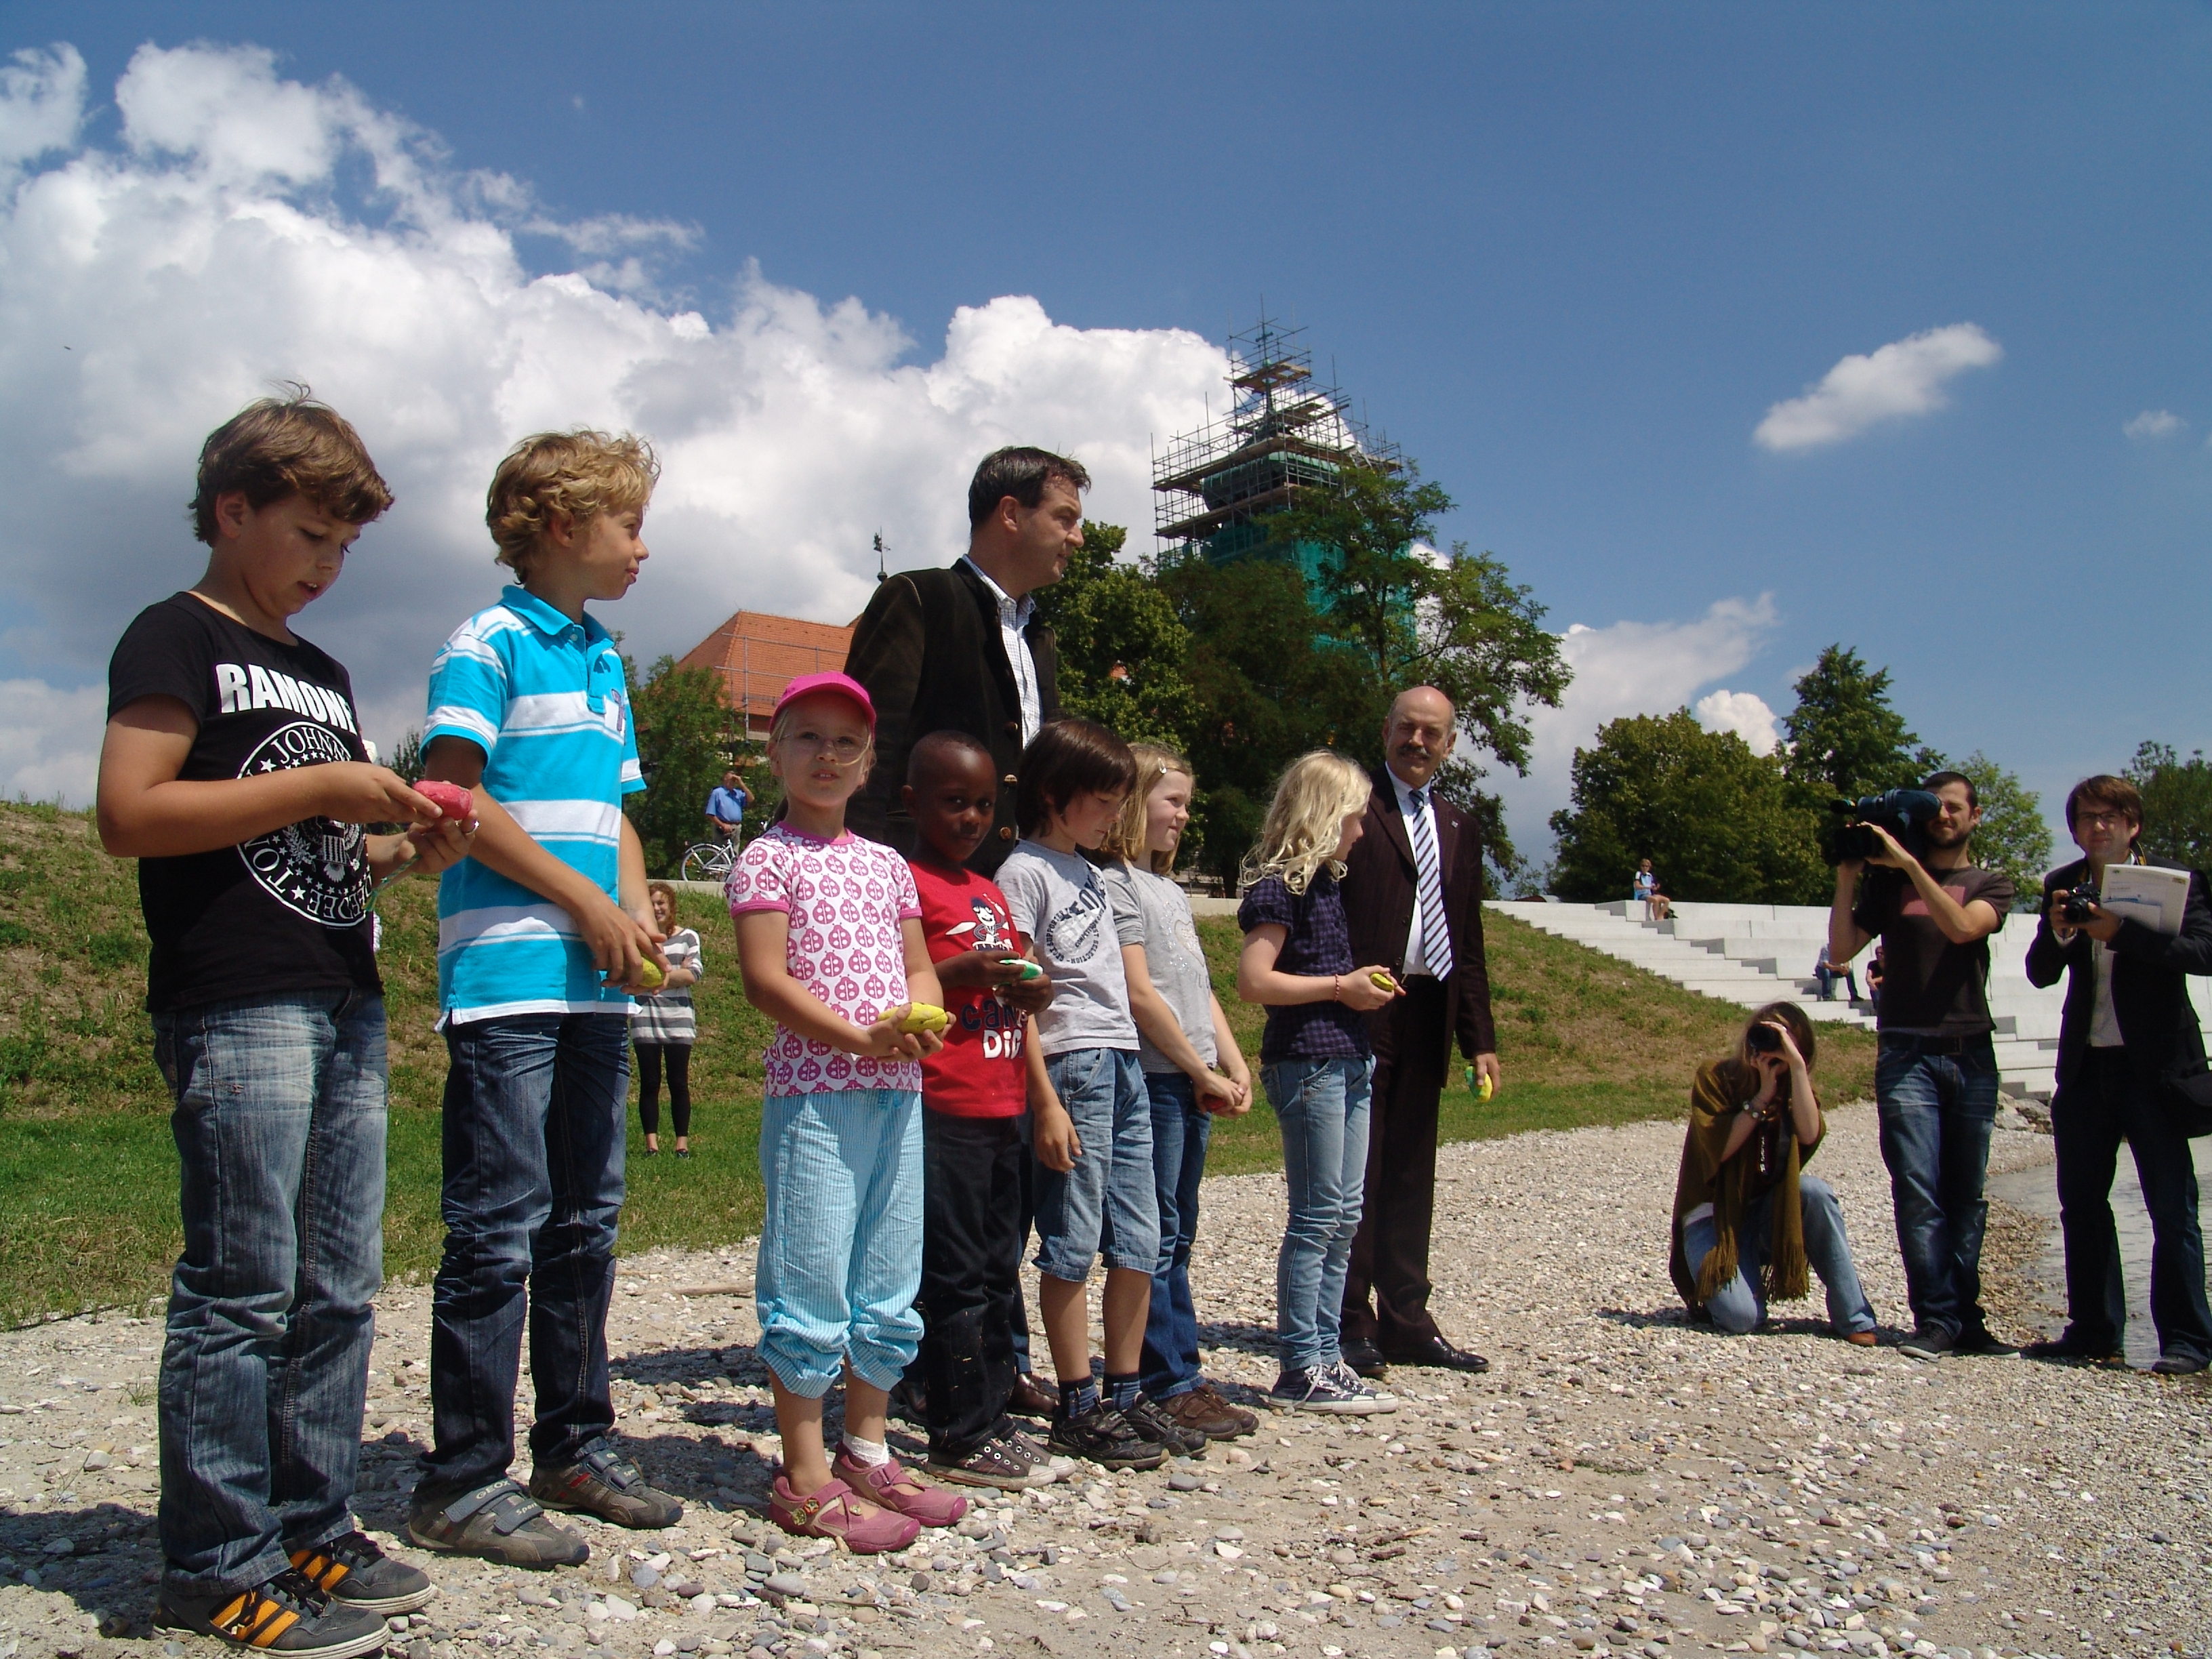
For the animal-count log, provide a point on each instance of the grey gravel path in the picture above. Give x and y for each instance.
(1621, 1482)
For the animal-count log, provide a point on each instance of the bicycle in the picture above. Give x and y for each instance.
(709, 861)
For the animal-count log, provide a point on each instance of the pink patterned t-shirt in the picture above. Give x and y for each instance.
(845, 901)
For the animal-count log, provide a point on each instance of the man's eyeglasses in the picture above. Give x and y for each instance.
(845, 751)
(2104, 820)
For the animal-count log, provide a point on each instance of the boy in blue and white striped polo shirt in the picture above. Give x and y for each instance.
(528, 711)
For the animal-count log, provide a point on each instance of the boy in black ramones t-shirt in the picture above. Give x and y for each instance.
(233, 770)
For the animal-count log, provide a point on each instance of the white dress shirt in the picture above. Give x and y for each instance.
(1417, 961)
(1013, 625)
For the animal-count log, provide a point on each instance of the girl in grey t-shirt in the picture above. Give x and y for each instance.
(1193, 1070)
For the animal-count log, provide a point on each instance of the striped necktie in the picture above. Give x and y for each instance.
(1436, 932)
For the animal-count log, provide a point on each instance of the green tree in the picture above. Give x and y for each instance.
(1122, 646)
(1267, 686)
(683, 745)
(1373, 521)
(1718, 822)
(407, 758)
(1843, 739)
(2176, 804)
(2012, 835)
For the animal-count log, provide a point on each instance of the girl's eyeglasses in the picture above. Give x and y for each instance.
(844, 751)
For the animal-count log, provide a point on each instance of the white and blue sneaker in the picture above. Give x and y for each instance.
(1333, 1389)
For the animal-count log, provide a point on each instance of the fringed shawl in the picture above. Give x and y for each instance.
(1722, 1087)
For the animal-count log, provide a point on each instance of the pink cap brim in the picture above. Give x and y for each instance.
(843, 686)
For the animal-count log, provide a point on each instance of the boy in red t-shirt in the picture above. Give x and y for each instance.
(973, 1093)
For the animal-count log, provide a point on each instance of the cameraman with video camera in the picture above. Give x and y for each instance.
(1936, 1082)
(2130, 1057)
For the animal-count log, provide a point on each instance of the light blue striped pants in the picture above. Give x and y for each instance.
(841, 1245)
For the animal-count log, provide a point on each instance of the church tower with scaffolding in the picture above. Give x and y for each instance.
(1284, 432)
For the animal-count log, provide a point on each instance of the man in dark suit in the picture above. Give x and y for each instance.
(2130, 1066)
(958, 649)
(1412, 896)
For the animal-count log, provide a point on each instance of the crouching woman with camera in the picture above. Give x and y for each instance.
(1748, 1224)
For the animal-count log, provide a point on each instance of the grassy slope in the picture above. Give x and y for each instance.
(89, 1174)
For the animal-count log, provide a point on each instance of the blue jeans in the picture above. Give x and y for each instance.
(533, 1188)
(841, 1239)
(1180, 1131)
(1938, 1111)
(1740, 1305)
(1322, 1107)
(280, 1125)
(1105, 1203)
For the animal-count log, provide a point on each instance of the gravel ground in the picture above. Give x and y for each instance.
(1619, 1482)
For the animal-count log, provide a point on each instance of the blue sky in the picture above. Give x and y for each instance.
(1568, 256)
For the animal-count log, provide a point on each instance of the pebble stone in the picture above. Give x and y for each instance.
(1620, 1482)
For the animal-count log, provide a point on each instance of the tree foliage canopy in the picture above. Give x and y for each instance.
(1123, 648)
(2012, 835)
(1717, 821)
(2177, 797)
(684, 731)
(1844, 738)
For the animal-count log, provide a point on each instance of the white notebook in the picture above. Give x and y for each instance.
(2144, 893)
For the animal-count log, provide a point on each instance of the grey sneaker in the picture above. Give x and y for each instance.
(1022, 1447)
(1383, 1399)
(499, 1523)
(286, 1617)
(605, 1483)
(351, 1569)
(1320, 1388)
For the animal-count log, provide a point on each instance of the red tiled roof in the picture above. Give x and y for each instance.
(756, 654)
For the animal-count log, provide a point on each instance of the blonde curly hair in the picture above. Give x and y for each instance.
(1305, 821)
(564, 475)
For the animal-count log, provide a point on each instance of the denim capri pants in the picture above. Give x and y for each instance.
(841, 1244)
(1107, 1200)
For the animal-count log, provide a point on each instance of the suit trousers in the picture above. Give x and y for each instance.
(1386, 1293)
(2103, 1104)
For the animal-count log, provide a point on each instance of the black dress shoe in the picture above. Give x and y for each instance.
(2177, 1365)
(1439, 1353)
(1363, 1356)
(2060, 1348)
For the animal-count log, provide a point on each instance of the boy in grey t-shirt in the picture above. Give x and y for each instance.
(1090, 1110)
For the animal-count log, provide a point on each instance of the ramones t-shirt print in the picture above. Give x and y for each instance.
(287, 911)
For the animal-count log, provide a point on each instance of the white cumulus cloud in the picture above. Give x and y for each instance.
(244, 228)
(1905, 377)
(2153, 424)
(1632, 667)
(1744, 714)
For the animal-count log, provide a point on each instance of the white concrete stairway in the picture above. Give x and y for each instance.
(1753, 954)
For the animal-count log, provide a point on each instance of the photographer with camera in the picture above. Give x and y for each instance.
(1935, 1081)
(2130, 1058)
(1747, 1223)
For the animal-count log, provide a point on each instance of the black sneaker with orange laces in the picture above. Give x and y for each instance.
(351, 1569)
(287, 1615)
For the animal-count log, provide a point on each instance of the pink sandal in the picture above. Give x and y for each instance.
(895, 1487)
(833, 1512)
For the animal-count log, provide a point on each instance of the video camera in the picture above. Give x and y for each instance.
(1906, 813)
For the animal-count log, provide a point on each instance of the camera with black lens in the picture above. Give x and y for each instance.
(2079, 906)
(1763, 1039)
(1906, 813)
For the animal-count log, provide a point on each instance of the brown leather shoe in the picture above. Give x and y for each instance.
(1030, 1397)
(1204, 1412)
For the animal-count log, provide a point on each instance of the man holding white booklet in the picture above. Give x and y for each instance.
(2131, 1066)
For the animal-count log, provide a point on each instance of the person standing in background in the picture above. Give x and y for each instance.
(662, 1026)
(727, 804)
(1412, 895)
